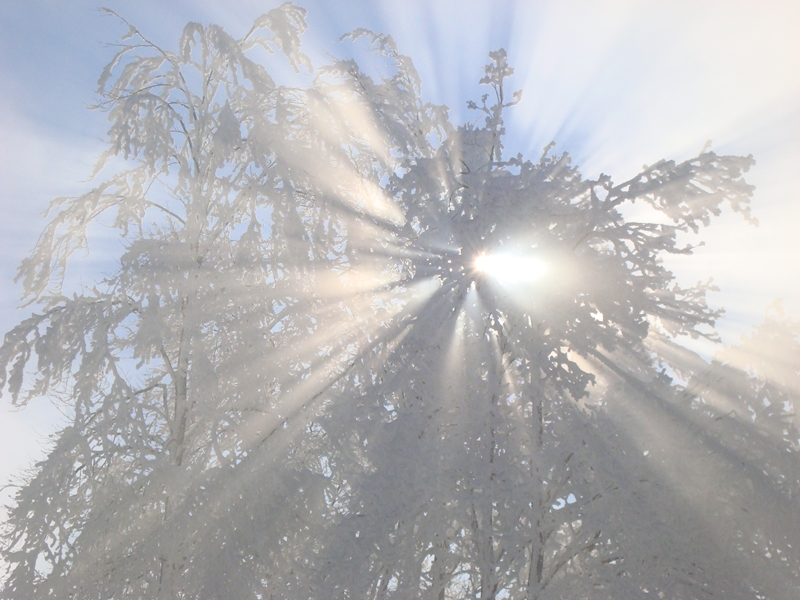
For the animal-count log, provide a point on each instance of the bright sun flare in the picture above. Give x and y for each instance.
(511, 268)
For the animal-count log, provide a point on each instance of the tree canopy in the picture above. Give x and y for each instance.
(297, 381)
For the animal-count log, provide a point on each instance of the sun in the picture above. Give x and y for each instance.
(511, 268)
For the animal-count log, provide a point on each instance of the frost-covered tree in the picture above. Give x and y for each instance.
(296, 382)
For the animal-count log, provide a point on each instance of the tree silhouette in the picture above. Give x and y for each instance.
(297, 384)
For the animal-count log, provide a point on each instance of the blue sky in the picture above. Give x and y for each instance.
(618, 84)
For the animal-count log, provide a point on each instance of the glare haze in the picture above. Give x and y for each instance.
(617, 84)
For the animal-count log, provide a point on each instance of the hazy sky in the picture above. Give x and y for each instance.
(617, 84)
